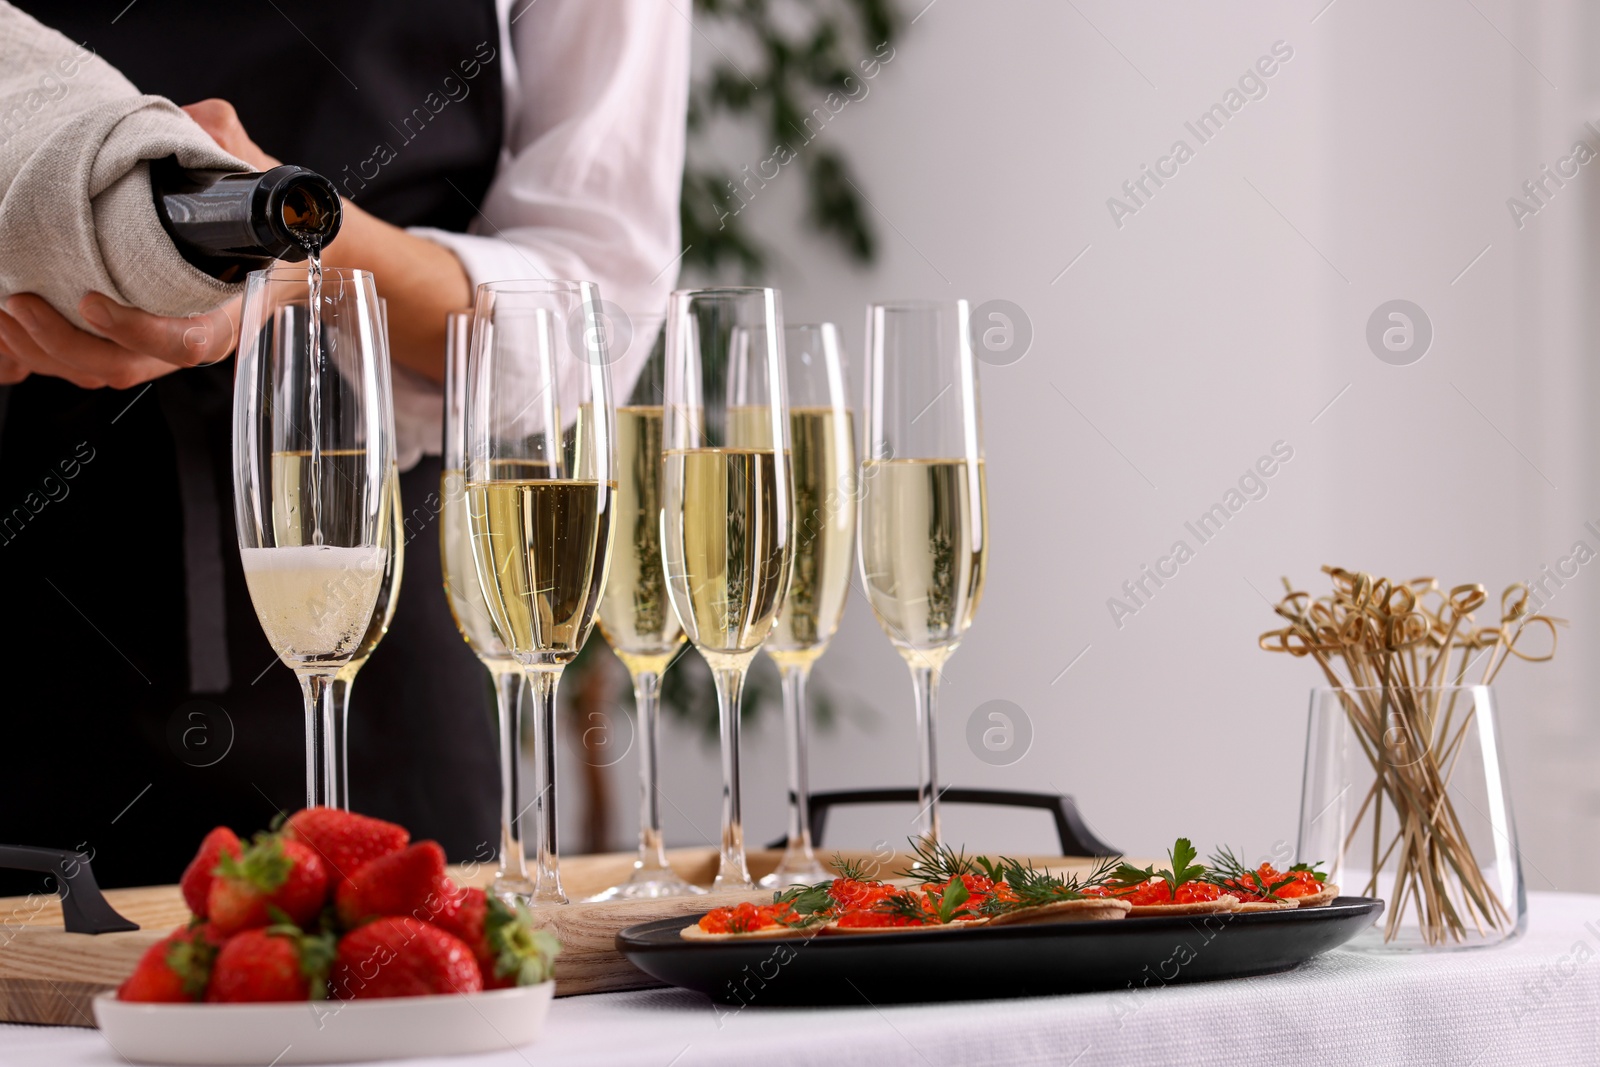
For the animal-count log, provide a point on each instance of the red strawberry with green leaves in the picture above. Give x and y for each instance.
(345, 841)
(509, 950)
(273, 964)
(272, 880)
(196, 881)
(402, 957)
(409, 882)
(175, 969)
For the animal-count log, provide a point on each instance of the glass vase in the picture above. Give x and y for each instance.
(1404, 798)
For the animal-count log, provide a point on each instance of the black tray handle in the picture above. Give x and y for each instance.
(84, 910)
(1075, 836)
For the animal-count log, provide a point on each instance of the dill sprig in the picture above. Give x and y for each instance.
(1227, 871)
(937, 862)
(1033, 887)
(852, 869)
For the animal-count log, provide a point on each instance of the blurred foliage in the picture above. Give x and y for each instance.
(791, 72)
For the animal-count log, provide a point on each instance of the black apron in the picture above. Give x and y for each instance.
(141, 702)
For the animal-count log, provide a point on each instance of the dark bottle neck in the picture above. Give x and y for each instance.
(229, 223)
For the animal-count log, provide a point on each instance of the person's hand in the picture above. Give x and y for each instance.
(221, 122)
(136, 346)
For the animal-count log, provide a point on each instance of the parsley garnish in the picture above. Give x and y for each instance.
(1311, 869)
(1182, 871)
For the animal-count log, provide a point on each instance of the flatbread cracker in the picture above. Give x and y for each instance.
(692, 932)
(835, 928)
(1090, 909)
(1329, 892)
(1268, 905)
(1226, 902)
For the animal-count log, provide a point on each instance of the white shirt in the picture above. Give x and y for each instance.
(596, 100)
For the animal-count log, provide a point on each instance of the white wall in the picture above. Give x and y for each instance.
(1221, 318)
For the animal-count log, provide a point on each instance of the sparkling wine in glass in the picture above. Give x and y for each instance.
(923, 527)
(635, 615)
(338, 725)
(394, 546)
(727, 513)
(540, 495)
(822, 448)
(464, 594)
(313, 451)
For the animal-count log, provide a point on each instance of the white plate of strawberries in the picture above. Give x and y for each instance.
(331, 938)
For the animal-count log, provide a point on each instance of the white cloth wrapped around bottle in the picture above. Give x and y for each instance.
(76, 210)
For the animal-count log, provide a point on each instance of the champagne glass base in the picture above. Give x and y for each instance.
(549, 899)
(649, 884)
(512, 889)
(800, 872)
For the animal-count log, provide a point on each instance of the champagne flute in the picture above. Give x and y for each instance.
(635, 616)
(313, 451)
(923, 527)
(540, 494)
(464, 593)
(823, 450)
(382, 615)
(394, 546)
(727, 516)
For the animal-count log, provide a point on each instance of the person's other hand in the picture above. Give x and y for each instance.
(136, 346)
(221, 121)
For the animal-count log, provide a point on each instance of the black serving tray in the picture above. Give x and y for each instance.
(993, 961)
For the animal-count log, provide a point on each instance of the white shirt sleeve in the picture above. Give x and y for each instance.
(596, 99)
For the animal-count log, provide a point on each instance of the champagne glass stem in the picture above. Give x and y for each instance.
(336, 742)
(798, 854)
(925, 683)
(647, 699)
(316, 687)
(732, 872)
(542, 685)
(512, 877)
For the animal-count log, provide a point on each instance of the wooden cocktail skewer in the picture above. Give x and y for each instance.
(1395, 643)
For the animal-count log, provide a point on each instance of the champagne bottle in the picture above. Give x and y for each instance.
(229, 223)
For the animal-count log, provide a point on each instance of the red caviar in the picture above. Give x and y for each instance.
(853, 893)
(1300, 884)
(744, 918)
(1156, 891)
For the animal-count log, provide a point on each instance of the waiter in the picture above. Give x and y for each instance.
(473, 140)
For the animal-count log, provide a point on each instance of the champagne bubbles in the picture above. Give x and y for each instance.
(999, 733)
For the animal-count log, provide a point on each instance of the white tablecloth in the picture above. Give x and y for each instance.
(1534, 1001)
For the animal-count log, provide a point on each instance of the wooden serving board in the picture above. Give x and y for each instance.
(49, 976)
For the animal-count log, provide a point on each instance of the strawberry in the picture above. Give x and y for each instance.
(402, 957)
(409, 882)
(509, 950)
(173, 970)
(272, 875)
(196, 882)
(345, 841)
(277, 963)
